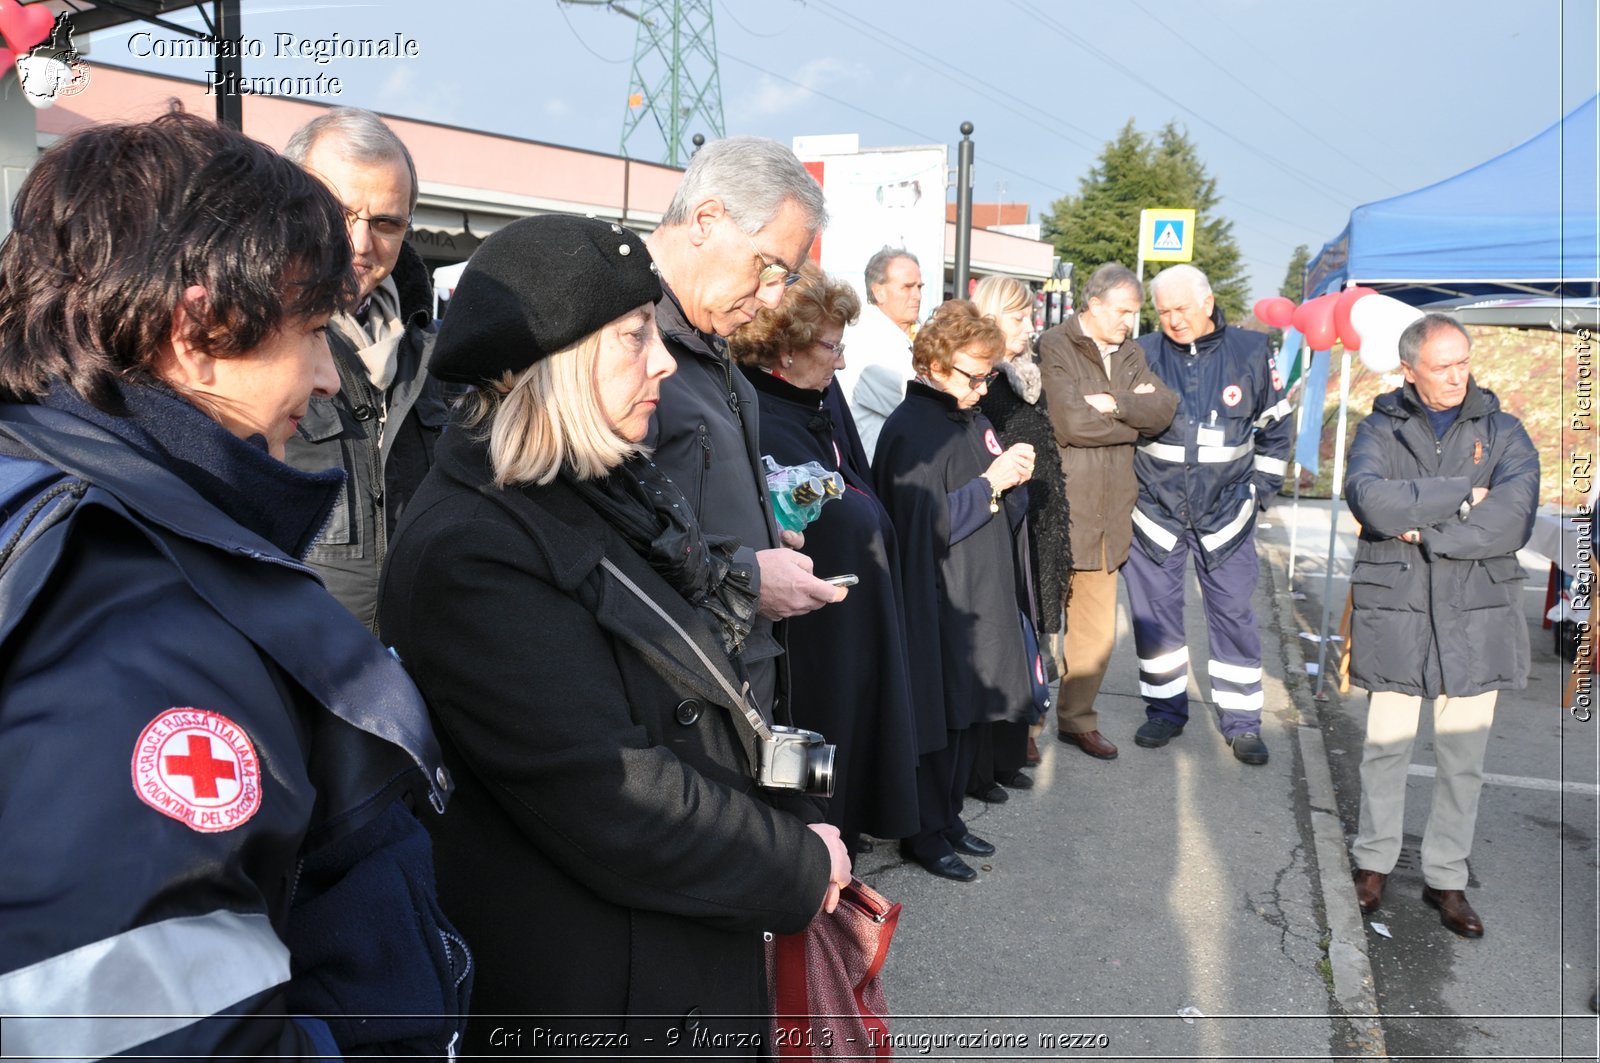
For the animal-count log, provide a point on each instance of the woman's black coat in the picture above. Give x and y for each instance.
(847, 663)
(607, 853)
(1020, 420)
(963, 634)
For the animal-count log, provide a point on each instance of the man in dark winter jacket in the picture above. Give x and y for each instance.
(731, 241)
(1102, 399)
(1201, 483)
(1445, 486)
(381, 426)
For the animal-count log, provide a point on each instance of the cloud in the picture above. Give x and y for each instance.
(773, 97)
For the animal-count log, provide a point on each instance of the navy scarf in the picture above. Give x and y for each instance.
(281, 504)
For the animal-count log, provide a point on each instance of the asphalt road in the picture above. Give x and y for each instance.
(1177, 904)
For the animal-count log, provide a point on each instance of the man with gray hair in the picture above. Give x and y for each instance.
(381, 426)
(878, 364)
(1445, 486)
(1201, 483)
(732, 239)
(1102, 399)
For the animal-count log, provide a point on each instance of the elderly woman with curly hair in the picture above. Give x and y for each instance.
(943, 476)
(847, 667)
(610, 853)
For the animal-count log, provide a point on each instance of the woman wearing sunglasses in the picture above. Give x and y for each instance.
(943, 477)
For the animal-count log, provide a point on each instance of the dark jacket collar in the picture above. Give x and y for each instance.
(674, 324)
(1403, 402)
(183, 504)
(779, 388)
(944, 399)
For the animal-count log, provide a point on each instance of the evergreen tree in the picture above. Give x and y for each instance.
(1136, 172)
(1294, 278)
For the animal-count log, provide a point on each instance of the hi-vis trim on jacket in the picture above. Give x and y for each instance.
(1230, 434)
(224, 958)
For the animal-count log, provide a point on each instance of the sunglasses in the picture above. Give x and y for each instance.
(977, 380)
(771, 272)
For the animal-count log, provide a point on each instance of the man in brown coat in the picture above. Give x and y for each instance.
(1102, 397)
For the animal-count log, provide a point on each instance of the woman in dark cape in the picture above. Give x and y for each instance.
(942, 474)
(847, 664)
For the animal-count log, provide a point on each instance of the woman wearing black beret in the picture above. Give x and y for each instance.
(609, 854)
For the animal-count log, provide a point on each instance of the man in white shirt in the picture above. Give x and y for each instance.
(878, 347)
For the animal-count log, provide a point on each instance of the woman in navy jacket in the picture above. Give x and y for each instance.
(208, 768)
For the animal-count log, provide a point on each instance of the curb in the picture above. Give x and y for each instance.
(1353, 987)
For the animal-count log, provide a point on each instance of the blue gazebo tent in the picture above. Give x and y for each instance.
(1523, 222)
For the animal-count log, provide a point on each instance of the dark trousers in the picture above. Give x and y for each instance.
(1155, 598)
(941, 791)
(1002, 752)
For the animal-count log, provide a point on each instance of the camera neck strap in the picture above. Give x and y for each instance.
(746, 718)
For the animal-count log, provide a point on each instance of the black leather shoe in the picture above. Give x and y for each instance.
(995, 794)
(1153, 734)
(1016, 781)
(1249, 748)
(972, 845)
(950, 866)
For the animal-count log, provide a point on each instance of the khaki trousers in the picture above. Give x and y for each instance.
(1091, 631)
(1460, 738)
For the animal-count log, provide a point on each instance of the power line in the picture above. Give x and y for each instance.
(1327, 190)
(1358, 164)
(562, 7)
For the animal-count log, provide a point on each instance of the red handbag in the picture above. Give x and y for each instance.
(824, 983)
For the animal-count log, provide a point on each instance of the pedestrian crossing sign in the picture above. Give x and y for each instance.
(1166, 235)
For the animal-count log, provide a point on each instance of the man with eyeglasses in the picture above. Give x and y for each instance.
(381, 426)
(732, 239)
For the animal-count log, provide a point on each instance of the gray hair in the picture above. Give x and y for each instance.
(878, 267)
(1422, 330)
(1182, 274)
(362, 136)
(1108, 278)
(754, 177)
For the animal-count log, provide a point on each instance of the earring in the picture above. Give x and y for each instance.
(787, 362)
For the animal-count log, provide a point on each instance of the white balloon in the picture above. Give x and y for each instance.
(1379, 320)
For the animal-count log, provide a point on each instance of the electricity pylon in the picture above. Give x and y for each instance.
(674, 81)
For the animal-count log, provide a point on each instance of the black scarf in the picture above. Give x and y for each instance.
(280, 503)
(642, 503)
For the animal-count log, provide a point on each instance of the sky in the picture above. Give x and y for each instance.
(1300, 111)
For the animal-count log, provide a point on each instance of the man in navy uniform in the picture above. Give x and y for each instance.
(1201, 483)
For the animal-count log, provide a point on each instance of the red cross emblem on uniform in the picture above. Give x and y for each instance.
(199, 768)
(990, 441)
(1231, 395)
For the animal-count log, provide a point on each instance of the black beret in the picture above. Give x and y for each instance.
(536, 287)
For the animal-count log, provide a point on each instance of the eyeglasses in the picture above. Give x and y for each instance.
(977, 380)
(771, 272)
(384, 225)
(836, 348)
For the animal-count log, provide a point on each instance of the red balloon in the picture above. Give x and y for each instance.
(1342, 324)
(1314, 319)
(1275, 312)
(24, 27)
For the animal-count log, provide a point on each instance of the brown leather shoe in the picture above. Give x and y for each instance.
(1369, 889)
(1031, 758)
(1454, 911)
(1091, 742)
